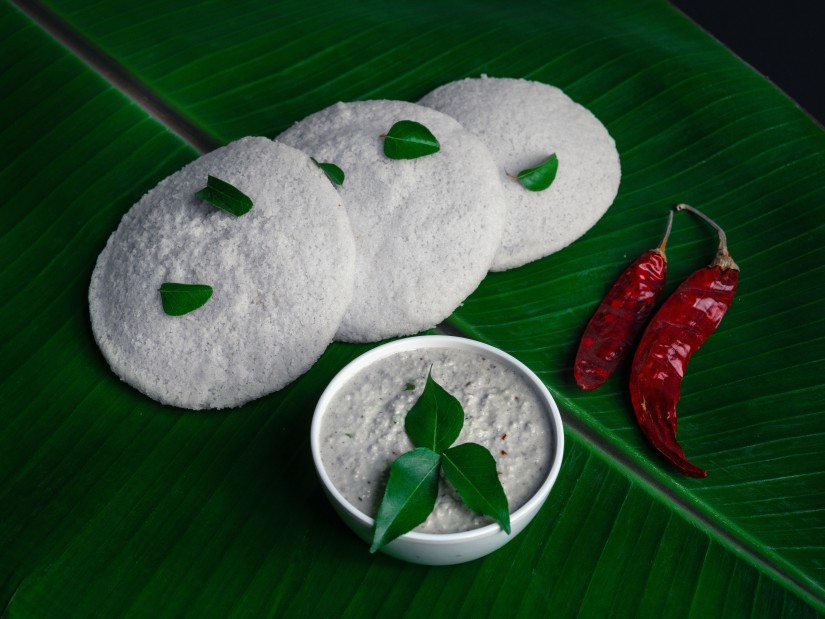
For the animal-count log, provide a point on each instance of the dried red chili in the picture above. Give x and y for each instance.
(621, 316)
(679, 328)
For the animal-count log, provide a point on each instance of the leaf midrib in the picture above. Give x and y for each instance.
(115, 74)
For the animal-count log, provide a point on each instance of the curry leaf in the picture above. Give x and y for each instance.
(333, 172)
(408, 139)
(409, 497)
(540, 177)
(225, 196)
(436, 419)
(471, 469)
(179, 299)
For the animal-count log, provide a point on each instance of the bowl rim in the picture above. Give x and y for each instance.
(437, 341)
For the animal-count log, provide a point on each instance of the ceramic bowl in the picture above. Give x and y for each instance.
(438, 548)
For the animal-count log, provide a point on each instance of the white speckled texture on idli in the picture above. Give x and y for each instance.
(281, 275)
(524, 122)
(425, 229)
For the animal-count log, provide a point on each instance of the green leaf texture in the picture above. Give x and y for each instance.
(436, 418)
(333, 172)
(225, 196)
(409, 497)
(471, 469)
(408, 139)
(114, 506)
(541, 176)
(179, 299)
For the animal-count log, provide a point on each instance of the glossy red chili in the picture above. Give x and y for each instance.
(621, 316)
(679, 328)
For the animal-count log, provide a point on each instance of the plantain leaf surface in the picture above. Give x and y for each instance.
(113, 505)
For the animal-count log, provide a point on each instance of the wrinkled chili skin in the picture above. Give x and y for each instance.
(683, 323)
(619, 318)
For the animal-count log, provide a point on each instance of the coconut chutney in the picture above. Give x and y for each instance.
(362, 431)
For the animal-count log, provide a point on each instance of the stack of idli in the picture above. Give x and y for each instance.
(391, 251)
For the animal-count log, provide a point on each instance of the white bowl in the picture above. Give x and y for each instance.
(438, 548)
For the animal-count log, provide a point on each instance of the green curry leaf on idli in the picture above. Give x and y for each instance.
(225, 196)
(180, 299)
(333, 172)
(408, 139)
(541, 176)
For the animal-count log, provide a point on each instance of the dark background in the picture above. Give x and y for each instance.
(783, 39)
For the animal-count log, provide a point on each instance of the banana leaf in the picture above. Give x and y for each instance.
(113, 505)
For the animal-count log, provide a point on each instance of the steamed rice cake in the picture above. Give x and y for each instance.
(523, 123)
(426, 229)
(281, 277)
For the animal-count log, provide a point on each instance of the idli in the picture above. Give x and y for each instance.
(523, 123)
(281, 277)
(425, 229)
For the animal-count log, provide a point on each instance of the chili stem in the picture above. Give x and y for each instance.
(661, 248)
(723, 258)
